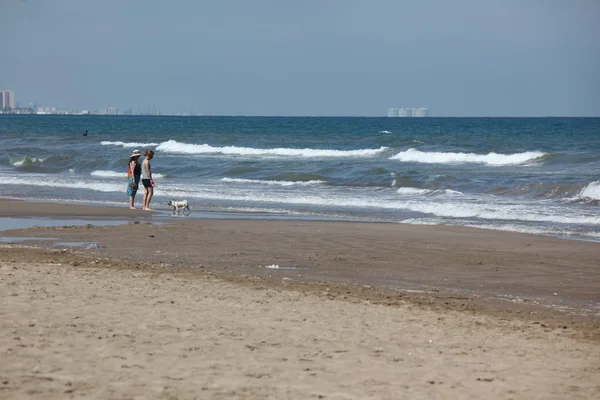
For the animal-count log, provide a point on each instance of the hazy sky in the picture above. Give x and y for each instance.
(305, 57)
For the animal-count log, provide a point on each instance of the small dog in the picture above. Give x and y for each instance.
(177, 205)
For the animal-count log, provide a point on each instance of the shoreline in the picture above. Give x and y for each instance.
(47, 209)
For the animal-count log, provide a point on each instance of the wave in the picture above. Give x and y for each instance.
(536, 231)
(410, 190)
(571, 192)
(115, 174)
(127, 144)
(417, 191)
(26, 161)
(591, 191)
(280, 183)
(175, 147)
(456, 209)
(493, 159)
(62, 183)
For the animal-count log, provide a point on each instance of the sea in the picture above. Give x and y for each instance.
(532, 175)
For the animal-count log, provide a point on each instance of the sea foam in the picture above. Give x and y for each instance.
(493, 159)
(172, 146)
(27, 161)
(45, 181)
(417, 191)
(279, 183)
(127, 144)
(455, 208)
(115, 174)
(591, 191)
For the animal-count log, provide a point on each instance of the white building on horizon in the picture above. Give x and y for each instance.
(420, 112)
(408, 112)
(405, 112)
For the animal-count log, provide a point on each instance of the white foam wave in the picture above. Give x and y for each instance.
(493, 159)
(127, 144)
(422, 221)
(411, 190)
(172, 146)
(109, 174)
(591, 191)
(115, 174)
(535, 231)
(279, 183)
(502, 212)
(444, 209)
(417, 191)
(62, 183)
(385, 132)
(27, 160)
(456, 208)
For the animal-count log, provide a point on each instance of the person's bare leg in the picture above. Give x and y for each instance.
(145, 201)
(148, 197)
(131, 202)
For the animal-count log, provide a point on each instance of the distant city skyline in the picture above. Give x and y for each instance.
(326, 58)
(7, 99)
(408, 112)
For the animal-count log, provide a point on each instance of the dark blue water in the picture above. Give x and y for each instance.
(538, 175)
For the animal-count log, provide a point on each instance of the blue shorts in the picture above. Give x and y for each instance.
(131, 191)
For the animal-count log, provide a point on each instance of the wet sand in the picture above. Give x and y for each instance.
(189, 310)
(16, 208)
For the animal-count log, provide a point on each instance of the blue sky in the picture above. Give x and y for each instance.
(309, 57)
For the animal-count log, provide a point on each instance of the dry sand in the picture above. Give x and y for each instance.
(187, 310)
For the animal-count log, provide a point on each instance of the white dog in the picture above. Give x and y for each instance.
(177, 205)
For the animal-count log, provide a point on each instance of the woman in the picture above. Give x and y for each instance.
(147, 180)
(134, 172)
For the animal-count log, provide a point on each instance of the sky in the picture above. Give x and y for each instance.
(308, 57)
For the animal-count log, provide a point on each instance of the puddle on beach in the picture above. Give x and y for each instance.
(7, 223)
(21, 239)
(18, 239)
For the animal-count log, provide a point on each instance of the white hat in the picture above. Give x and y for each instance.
(136, 153)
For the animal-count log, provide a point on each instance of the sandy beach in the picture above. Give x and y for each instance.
(191, 309)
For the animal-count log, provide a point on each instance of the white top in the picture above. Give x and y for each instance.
(145, 170)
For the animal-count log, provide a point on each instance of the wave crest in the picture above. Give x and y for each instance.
(26, 161)
(280, 183)
(591, 191)
(115, 174)
(493, 159)
(417, 191)
(172, 146)
(127, 144)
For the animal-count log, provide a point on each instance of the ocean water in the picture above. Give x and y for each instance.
(535, 175)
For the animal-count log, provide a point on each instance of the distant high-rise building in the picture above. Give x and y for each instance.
(420, 112)
(405, 112)
(392, 112)
(7, 99)
(408, 112)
